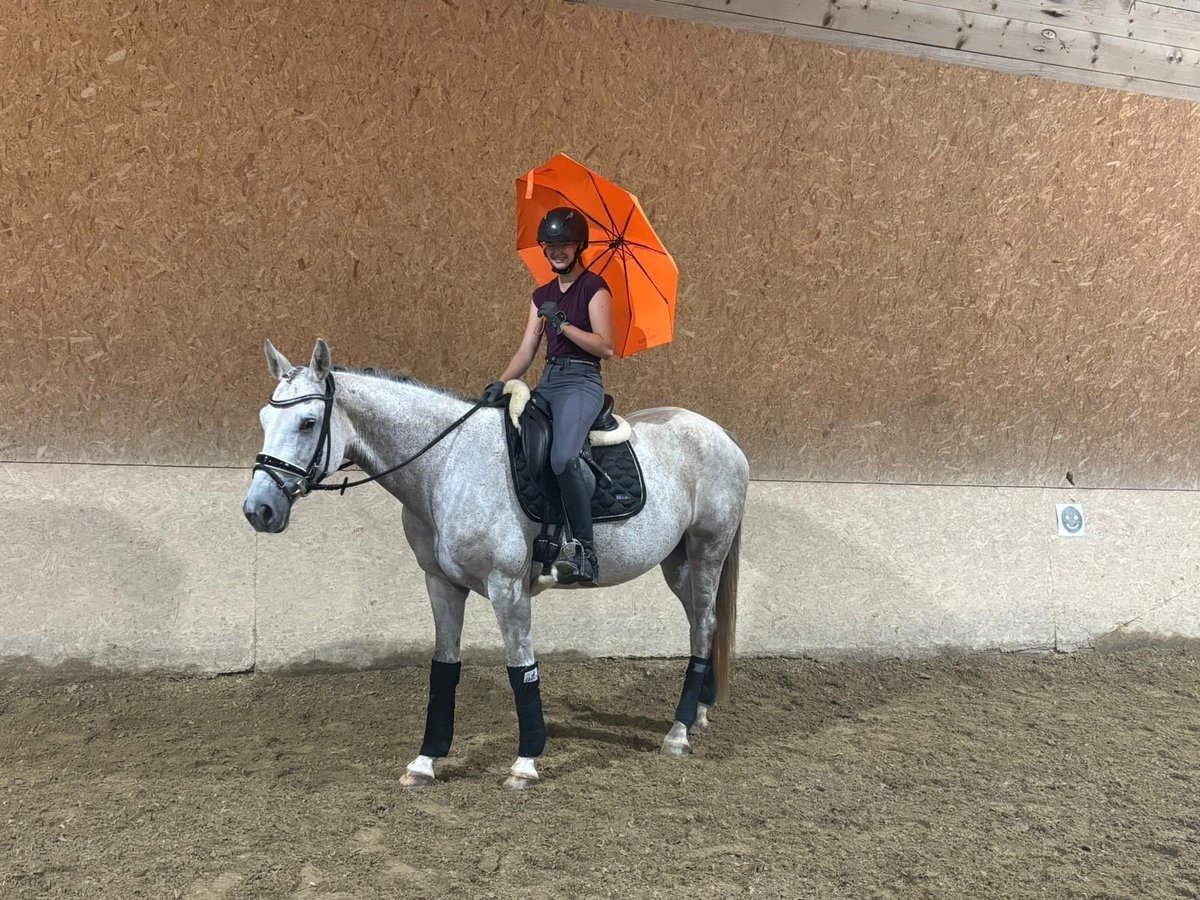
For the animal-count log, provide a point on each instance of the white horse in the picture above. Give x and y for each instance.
(465, 525)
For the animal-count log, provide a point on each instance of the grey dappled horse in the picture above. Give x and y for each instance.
(463, 520)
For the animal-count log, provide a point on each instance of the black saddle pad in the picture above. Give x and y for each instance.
(537, 489)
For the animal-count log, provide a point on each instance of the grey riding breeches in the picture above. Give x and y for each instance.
(575, 394)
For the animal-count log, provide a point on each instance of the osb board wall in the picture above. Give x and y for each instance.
(891, 270)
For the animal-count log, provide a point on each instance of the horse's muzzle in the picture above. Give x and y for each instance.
(264, 516)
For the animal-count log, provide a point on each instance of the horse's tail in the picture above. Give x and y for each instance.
(724, 636)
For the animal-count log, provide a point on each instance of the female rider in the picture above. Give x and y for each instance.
(573, 310)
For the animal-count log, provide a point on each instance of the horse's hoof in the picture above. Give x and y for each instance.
(415, 781)
(676, 741)
(519, 782)
(699, 728)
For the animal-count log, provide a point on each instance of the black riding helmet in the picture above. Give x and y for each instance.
(564, 225)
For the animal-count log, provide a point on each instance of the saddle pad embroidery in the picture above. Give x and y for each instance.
(623, 499)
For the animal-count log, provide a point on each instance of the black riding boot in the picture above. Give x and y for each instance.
(577, 484)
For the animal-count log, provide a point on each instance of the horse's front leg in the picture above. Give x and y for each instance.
(510, 600)
(449, 603)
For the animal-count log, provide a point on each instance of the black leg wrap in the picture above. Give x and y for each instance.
(708, 690)
(439, 716)
(689, 700)
(527, 690)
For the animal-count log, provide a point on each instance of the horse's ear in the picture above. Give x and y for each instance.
(322, 360)
(277, 363)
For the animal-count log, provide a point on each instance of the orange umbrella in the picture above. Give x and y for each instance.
(622, 247)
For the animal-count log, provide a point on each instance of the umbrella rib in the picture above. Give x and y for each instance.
(628, 219)
(610, 252)
(649, 278)
(626, 241)
(625, 272)
(640, 246)
(604, 203)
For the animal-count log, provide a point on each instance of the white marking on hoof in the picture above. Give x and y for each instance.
(676, 742)
(418, 774)
(701, 726)
(522, 775)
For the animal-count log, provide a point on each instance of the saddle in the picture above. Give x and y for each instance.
(620, 488)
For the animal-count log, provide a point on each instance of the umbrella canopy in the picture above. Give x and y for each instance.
(623, 248)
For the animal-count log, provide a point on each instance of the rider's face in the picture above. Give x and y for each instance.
(561, 255)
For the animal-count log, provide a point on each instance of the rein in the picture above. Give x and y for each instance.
(310, 478)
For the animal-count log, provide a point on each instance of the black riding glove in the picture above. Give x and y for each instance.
(493, 393)
(552, 314)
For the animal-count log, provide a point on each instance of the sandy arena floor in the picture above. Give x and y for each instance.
(978, 777)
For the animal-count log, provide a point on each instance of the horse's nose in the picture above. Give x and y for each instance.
(259, 515)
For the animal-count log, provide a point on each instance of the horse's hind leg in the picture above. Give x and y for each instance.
(449, 603)
(698, 694)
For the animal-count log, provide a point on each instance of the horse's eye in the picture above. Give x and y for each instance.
(307, 424)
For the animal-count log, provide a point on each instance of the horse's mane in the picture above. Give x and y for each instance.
(376, 372)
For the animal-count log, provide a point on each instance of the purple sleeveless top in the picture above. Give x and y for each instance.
(574, 302)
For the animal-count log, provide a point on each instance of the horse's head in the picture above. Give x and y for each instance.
(303, 438)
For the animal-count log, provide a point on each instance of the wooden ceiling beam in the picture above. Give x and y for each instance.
(942, 31)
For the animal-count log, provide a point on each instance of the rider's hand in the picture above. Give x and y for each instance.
(552, 314)
(493, 393)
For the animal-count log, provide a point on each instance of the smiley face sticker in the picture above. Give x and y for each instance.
(1070, 520)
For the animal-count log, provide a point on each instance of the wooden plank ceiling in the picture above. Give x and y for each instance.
(1151, 48)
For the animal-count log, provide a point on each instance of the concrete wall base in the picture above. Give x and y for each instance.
(147, 568)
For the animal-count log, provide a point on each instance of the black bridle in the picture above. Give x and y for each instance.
(310, 478)
(307, 478)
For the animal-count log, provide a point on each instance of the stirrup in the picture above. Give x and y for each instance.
(565, 566)
(576, 565)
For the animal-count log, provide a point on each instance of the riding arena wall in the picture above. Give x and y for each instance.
(933, 303)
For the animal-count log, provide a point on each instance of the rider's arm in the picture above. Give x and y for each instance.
(598, 341)
(523, 358)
